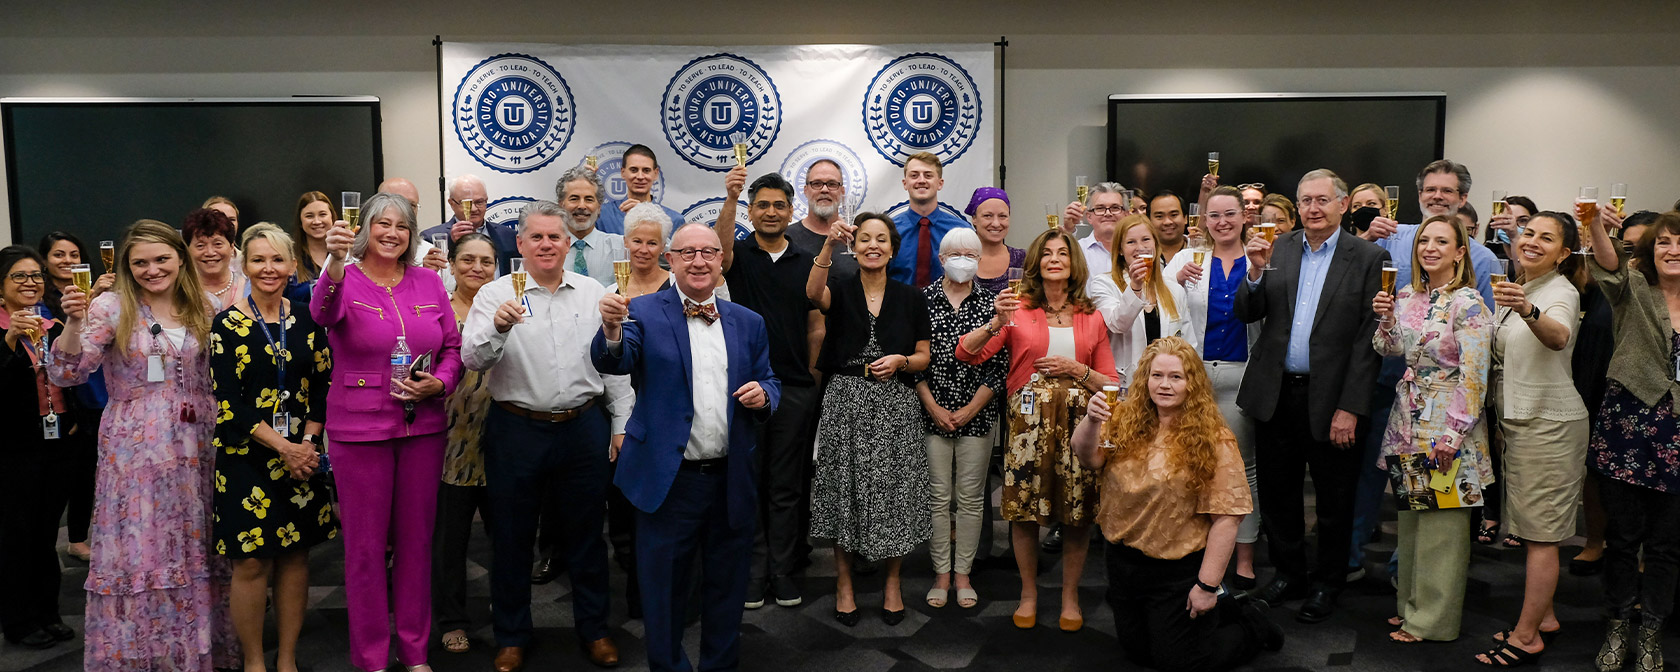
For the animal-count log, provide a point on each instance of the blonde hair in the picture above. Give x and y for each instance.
(1463, 274)
(928, 158)
(1156, 290)
(187, 295)
(276, 237)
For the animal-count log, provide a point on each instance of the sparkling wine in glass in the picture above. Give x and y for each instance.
(739, 139)
(1586, 212)
(1081, 189)
(1618, 198)
(1391, 208)
(82, 275)
(1014, 276)
(108, 253)
(1503, 271)
(621, 273)
(1269, 231)
(1389, 275)
(1111, 394)
(350, 206)
(1213, 164)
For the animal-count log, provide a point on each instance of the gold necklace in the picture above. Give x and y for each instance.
(395, 280)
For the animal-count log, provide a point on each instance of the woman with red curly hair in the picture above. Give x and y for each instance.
(1173, 492)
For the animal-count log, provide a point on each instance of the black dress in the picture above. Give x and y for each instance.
(32, 493)
(261, 511)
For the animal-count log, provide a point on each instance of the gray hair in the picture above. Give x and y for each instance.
(1325, 174)
(580, 173)
(276, 237)
(650, 213)
(375, 207)
(461, 181)
(959, 239)
(1443, 166)
(1109, 188)
(544, 208)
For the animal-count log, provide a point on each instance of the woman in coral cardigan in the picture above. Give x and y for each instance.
(1058, 356)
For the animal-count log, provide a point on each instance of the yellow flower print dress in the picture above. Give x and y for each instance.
(261, 511)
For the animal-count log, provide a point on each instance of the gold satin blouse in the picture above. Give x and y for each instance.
(1146, 506)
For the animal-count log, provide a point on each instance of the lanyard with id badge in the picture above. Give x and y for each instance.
(282, 420)
(154, 363)
(40, 354)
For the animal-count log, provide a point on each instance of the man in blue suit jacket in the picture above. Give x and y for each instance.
(702, 375)
(469, 189)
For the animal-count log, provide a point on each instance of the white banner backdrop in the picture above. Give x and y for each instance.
(519, 115)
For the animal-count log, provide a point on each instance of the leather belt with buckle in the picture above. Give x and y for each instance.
(547, 416)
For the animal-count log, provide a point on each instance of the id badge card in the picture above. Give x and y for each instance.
(282, 424)
(49, 426)
(154, 368)
(526, 302)
(1028, 401)
(1428, 409)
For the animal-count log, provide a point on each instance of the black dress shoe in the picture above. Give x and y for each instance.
(1257, 620)
(546, 571)
(1052, 543)
(1579, 567)
(847, 618)
(891, 617)
(1318, 607)
(39, 639)
(59, 631)
(1281, 589)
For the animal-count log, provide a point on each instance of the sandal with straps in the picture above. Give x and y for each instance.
(1487, 534)
(455, 641)
(1509, 655)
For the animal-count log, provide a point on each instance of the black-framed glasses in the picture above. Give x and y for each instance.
(21, 277)
(707, 253)
(1108, 210)
(825, 185)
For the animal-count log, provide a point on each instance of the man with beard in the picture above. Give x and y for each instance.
(825, 190)
(766, 272)
(640, 173)
(580, 192)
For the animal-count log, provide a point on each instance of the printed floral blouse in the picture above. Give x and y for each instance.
(1446, 338)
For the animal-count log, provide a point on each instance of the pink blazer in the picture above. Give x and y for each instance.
(1029, 339)
(362, 321)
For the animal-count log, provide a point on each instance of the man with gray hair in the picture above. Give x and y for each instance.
(467, 192)
(593, 251)
(1107, 205)
(1306, 386)
(547, 431)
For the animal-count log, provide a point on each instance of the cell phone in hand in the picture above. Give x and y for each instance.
(421, 363)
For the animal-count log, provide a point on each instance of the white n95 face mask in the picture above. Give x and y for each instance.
(961, 269)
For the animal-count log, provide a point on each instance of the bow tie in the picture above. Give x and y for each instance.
(704, 311)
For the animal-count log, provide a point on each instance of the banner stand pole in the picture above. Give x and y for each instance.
(437, 46)
(1003, 77)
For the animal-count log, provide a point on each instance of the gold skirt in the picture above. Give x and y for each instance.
(1042, 479)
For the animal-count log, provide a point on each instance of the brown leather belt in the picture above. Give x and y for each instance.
(547, 416)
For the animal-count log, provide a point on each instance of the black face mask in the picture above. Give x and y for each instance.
(1360, 219)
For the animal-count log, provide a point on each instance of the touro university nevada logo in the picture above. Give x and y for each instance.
(797, 166)
(922, 103)
(716, 101)
(513, 113)
(706, 211)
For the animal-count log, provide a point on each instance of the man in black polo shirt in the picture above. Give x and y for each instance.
(766, 273)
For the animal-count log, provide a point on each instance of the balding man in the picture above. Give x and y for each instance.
(425, 253)
(468, 191)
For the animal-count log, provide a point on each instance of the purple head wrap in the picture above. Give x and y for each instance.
(982, 195)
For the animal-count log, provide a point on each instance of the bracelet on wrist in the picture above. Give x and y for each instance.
(1085, 377)
(1211, 589)
(814, 263)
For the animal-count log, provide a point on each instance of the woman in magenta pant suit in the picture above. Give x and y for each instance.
(385, 442)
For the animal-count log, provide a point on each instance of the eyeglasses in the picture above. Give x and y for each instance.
(825, 185)
(21, 277)
(687, 253)
(1258, 186)
(1108, 210)
(479, 203)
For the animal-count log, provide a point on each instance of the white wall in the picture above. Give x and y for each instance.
(1542, 96)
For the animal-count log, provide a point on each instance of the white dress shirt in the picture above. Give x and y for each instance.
(1122, 311)
(543, 363)
(1098, 261)
(709, 437)
(599, 250)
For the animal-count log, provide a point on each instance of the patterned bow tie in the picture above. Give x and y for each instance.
(704, 311)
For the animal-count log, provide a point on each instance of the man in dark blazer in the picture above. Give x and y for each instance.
(467, 191)
(701, 370)
(1308, 386)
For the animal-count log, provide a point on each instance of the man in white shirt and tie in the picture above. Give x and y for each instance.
(547, 431)
(593, 251)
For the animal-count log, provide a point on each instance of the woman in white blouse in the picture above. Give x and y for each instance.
(1135, 300)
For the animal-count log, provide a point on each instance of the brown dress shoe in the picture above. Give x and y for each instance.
(510, 659)
(602, 652)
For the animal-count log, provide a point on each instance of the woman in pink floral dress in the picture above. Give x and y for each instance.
(156, 591)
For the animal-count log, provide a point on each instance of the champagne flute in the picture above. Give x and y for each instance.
(843, 217)
(1213, 164)
(82, 275)
(1081, 189)
(1150, 258)
(350, 206)
(621, 273)
(739, 139)
(1391, 208)
(1586, 211)
(518, 277)
(1269, 231)
(1126, 201)
(1389, 275)
(1618, 198)
(1111, 394)
(1195, 230)
(1014, 276)
(1051, 219)
(1499, 203)
(592, 162)
(440, 242)
(1199, 256)
(108, 254)
(1503, 272)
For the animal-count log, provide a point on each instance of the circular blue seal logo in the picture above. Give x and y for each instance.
(922, 103)
(609, 164)
(513, 113)
(797, 166)
(706, 211)
(713, 98)
(904, 206)
(505, 211)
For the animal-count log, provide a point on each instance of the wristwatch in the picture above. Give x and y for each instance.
(1533, 313)
(1211, 589)
(311, 439)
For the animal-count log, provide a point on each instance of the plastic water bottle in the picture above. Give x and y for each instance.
(401, 359)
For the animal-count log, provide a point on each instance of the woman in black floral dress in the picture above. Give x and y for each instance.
(270, 366)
